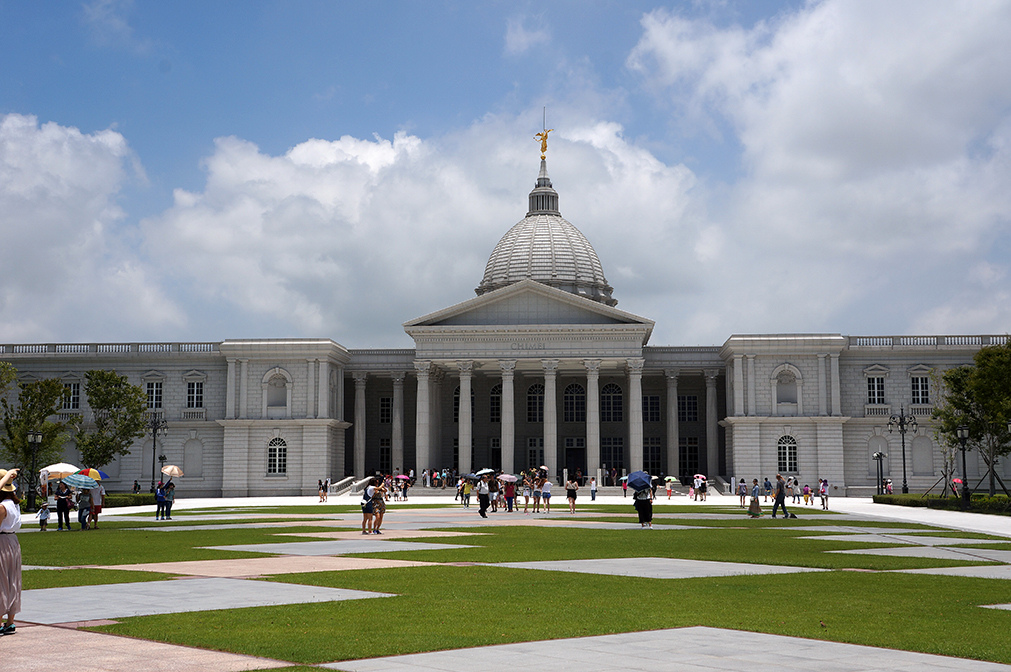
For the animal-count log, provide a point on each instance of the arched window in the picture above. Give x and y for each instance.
(787, 451)
(277, 456)
(495, 404)
(610, 403)
(277, 386)
(535, 403)
(574, 403)
(456, 405)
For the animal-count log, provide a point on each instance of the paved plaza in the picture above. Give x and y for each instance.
(51, 617)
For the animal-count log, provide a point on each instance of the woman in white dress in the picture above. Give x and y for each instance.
(10, 551)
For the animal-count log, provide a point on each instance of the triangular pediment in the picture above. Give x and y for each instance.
(527, 303)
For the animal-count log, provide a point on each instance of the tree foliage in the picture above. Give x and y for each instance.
(979, 397)
(119, 409)
(37, 401)
(8, 374)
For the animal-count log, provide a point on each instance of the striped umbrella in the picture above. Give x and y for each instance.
(80, 481)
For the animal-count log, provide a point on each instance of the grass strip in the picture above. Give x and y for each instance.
(32, 579)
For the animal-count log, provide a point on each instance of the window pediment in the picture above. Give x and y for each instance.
(195, 376)
(920, 370)
(152, 376)
(876, 371)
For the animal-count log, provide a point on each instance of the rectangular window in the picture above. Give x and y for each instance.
(921, 390)
(535, 407)
(651, 408)
(72, 402)
(612, 451)
(154, 395)
(195, 395)
(651, 460)
(875, 390)
(495, 446)
(688, 408)
(385, 410)
(688, 456)
(495, 407)
(385, 456)
(535, 452)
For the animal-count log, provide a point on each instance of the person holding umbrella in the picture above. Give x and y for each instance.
(10, 550)
(482, 496)
(642, 496)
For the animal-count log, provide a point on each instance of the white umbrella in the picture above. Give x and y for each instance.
(484, 471)
(60, 470)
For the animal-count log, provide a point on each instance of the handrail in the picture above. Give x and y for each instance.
(341, 486)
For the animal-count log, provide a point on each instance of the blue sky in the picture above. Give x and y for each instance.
(194, 170)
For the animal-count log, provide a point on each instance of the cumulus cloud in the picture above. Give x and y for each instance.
(518, 38)
(66, 270)
(875, 148)
(109, 27)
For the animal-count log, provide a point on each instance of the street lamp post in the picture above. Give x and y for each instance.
(878, 457)
(157, 426)
(34, 442)
(904, 423)
(963, 436)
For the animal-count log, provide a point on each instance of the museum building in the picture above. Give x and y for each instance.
(549, 372)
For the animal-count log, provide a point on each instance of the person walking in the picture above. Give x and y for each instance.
(378, 504)
(768, 489)
(643, 502)
(823, 491)
(83, 508)
(571, 486)
(63, 495)
(780, 497)
(97, 502)
(10, 551)
(546, 494)
(742, 490)
(755, 509)
(482, 496)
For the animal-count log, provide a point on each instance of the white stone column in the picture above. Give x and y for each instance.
(359, 459)
(310, 377)
(635, 412)
(836, 387)
(550, 417)
(243, 388)
(712, 437)
(323, 407)
(230, 391)
(673, 428)
(397, 436)
(340, 394)
(822, 389)
(738, 385)
(592, 416)
(465, 427)
(423, 420)
(508, 367)
(752, 407)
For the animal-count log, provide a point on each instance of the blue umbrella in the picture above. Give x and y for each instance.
(639, 480)
(80, 481)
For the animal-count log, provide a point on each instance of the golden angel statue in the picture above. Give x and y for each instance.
(543, 138)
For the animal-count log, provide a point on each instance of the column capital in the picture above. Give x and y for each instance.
(507, 366)
(672, 375)
(751, 356)
(822, 355)
(550, 366)
(466, 367)
(398, 377)
(635, 365)
(592, 366)
(360, 378)
(711, 376)
(423, 367)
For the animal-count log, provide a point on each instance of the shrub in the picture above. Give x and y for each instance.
(978, 503)
(129, 499)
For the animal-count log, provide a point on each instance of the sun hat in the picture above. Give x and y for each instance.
(10, 486)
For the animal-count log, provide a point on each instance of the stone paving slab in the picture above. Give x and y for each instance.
(388, 533)
(337, 547)
(931, 552)
(40, 648)
(984, 572)
(245, 567)
(903, 539)
(853, 529)
(699, 649)
(656, 568)
(119, 600)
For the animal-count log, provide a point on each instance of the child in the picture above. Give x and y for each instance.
(43, 516)
(807, 494)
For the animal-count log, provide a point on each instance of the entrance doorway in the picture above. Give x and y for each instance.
(575, 455)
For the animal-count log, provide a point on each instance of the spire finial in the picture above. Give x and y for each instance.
(542, 137)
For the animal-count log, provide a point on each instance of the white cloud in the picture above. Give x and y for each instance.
(109, 27)
(66, 271)
(875, 147)
(518, 39)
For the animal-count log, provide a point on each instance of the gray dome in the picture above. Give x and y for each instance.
(545, 247)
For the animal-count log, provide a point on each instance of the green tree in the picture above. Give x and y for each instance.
(979, 397)
(37, 401)
(119, 417)
(8, 374)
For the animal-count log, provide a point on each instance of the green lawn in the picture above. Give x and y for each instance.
(460, 605)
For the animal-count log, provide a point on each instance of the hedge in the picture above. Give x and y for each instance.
(978, 503)
(129, 499)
